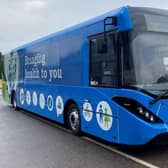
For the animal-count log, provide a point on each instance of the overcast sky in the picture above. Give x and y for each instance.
(22, 21)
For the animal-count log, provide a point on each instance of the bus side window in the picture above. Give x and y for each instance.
(103, 61)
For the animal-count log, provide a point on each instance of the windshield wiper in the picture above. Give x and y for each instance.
(159, 97)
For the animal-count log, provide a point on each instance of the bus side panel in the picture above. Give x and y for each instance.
(56, 71)
(57, 61)
(50, 101)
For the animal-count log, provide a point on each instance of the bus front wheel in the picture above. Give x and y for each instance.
(74, 120)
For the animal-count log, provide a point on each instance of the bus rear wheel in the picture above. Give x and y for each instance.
(73, 119)
(14, 101)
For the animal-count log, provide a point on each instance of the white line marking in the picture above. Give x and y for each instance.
(129, 157)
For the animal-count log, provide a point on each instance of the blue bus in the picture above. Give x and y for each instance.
(107, 77)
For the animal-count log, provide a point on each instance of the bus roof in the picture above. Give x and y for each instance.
(92, 21)
(123, 15)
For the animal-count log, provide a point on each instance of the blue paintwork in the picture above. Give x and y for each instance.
(69, 50)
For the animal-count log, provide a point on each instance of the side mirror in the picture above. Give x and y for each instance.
(108, 21)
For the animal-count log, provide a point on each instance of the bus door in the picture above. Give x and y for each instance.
(104, 77)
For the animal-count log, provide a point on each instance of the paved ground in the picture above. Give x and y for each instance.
(26, 142)
(154, 154)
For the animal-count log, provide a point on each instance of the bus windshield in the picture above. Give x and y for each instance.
(146, 65)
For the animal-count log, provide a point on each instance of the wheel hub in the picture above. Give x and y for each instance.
(74, 119)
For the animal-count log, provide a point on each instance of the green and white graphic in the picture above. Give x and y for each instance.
(50, 103)
(12, 69)
(34, 97)
(59, 105)
(87, 111)
(42, 101)
(104, 115)
(28, 97)
(22, 96)
(10, 74)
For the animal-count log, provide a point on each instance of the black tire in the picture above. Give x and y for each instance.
(14, 101)
(73, 119)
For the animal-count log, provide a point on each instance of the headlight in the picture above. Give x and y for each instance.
(137, 109)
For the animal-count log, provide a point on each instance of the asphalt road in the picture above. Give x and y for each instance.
(153, 154)
(29, 142)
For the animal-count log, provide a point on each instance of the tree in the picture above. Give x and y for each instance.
(0, 65)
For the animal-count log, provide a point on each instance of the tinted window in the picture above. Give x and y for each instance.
(103, 61)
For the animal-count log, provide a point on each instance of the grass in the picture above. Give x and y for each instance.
(0, 84)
